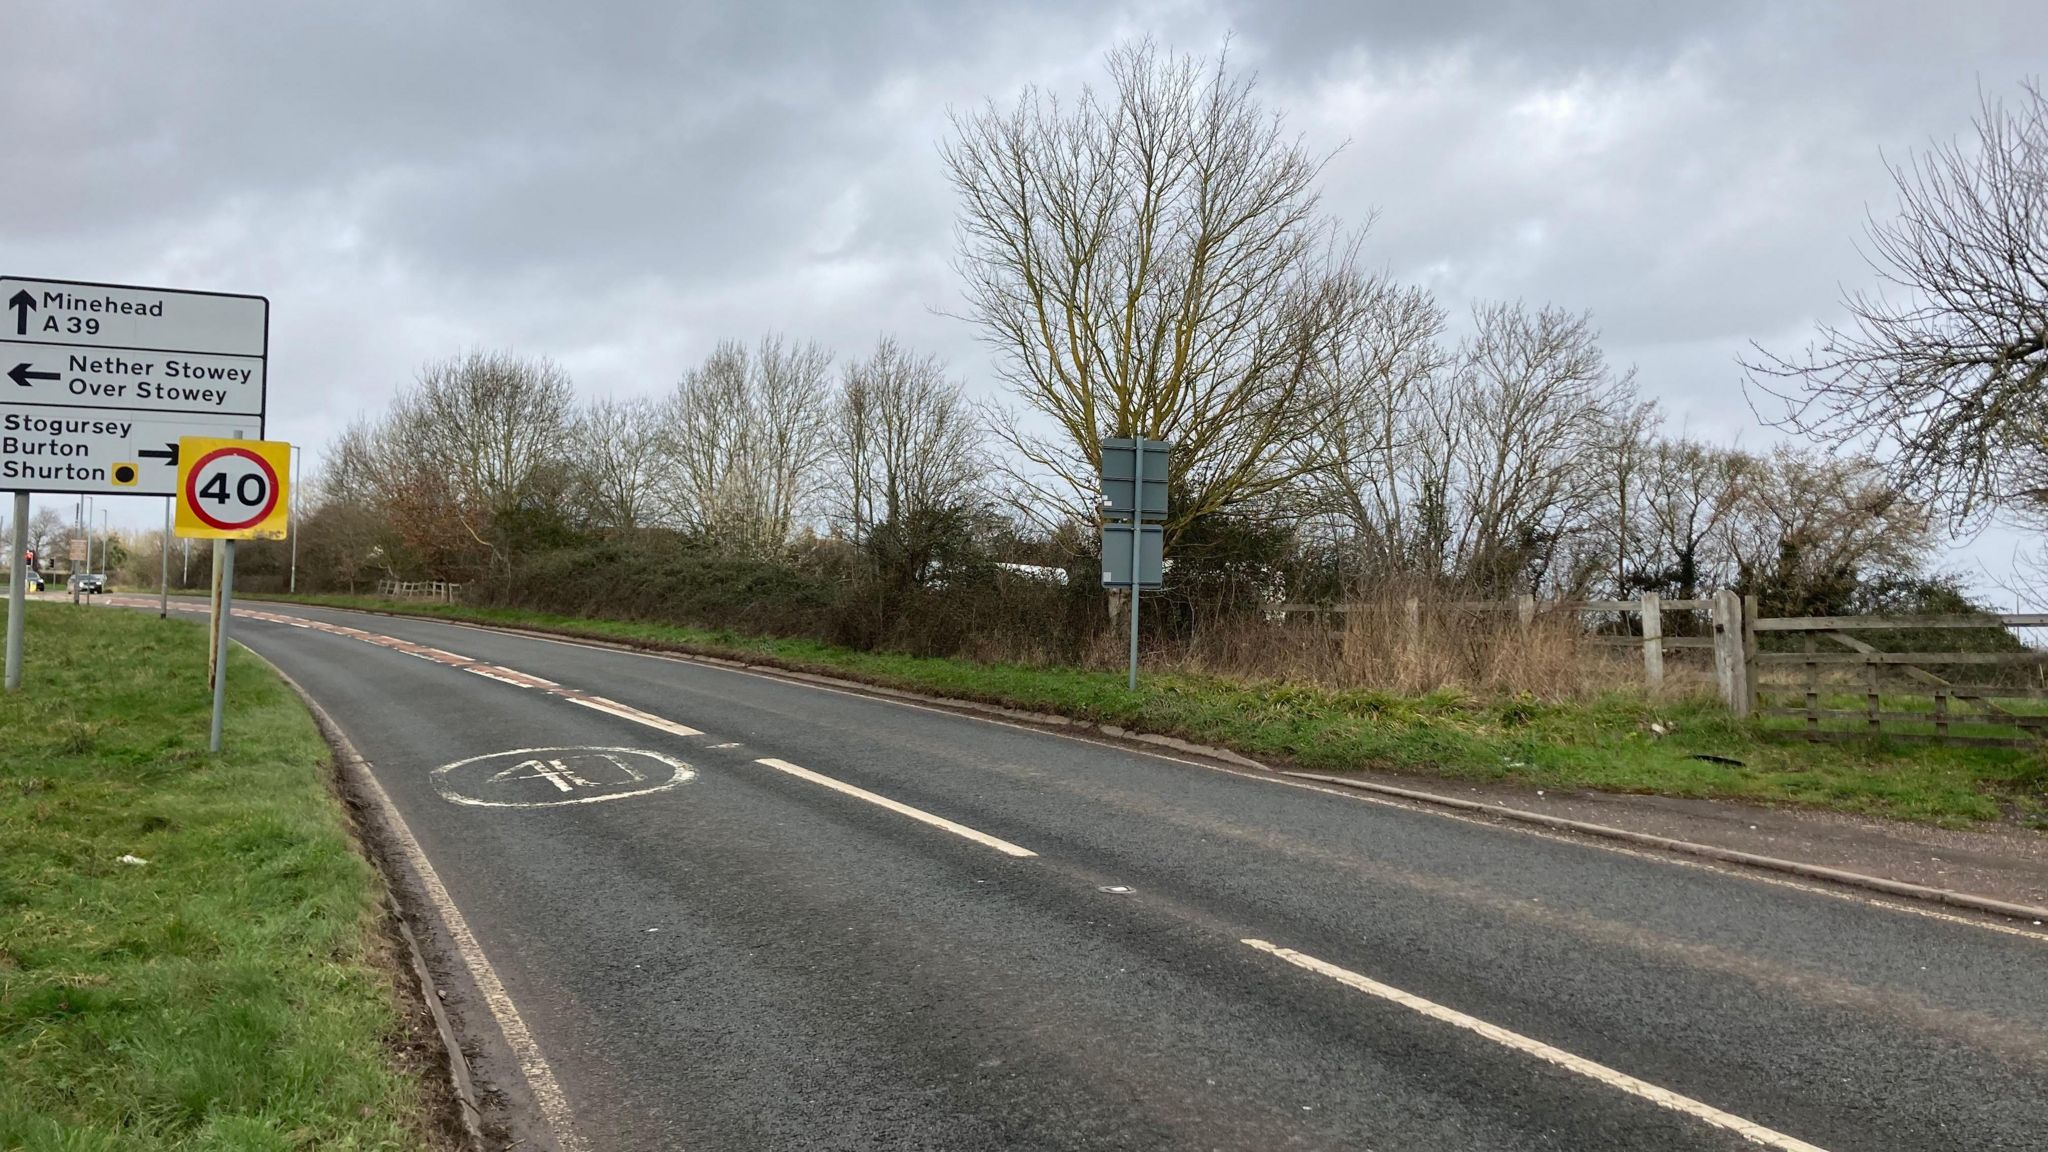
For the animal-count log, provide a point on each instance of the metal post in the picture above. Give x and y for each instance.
(213, 630)
(163, 596)
(220, 663)
(74, 555)
(1137, 542)
(293, 513)
(17, 591)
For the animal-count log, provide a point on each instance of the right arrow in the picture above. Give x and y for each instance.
(169, 455)
(22, 302)
(21, 374)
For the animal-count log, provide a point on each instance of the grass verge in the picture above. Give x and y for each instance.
(1609, 744)
(225, 995)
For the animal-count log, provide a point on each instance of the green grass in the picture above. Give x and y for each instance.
(224, 995)
(1606, 744)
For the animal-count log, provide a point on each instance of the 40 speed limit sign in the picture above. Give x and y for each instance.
(233, 489)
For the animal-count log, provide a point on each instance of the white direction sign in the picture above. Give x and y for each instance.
(86, 450)
(99, 381)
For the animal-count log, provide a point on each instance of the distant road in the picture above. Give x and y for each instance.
(696, 908)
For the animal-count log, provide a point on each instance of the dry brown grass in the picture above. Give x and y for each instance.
(1444, 646)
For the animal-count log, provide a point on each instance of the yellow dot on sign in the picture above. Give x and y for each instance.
(125, 475)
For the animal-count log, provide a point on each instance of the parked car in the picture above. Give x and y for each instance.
(33, 580)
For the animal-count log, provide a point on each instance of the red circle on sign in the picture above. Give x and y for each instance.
(192, 489)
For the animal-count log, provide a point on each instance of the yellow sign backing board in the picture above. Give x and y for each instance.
(233, 489)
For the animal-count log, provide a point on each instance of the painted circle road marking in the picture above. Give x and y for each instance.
(241, 484)
(553, 777)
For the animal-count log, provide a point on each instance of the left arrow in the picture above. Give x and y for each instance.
(21, 374)
(22, 302)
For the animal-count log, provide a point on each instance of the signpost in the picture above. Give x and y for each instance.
(100, 382)
(230, 490)
(1133, 478)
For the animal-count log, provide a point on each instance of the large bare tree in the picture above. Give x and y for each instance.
(1512, 460)
(620, 451)
(1806, 525)
(1151, 260)
(744, 435)
(1946, 365)
(1376, 386)
(906, 448)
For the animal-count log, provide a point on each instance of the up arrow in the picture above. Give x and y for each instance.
(21, 375)
(22, 303)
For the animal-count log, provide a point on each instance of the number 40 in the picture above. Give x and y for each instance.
(251, 489)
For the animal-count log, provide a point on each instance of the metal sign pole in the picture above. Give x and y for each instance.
(213, 628)
(293, 587)
(163, 594)
(220, 663)
(17, 591)
(1137, 542)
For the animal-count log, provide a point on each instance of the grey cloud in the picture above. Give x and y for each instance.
(621, 184)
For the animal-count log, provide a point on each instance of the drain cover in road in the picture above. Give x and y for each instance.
(551, 777)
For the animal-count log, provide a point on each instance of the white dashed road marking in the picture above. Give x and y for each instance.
(961, 830)
(1641, 1089)
(625, 712)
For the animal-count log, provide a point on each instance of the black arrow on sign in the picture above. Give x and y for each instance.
(168, 456)
(21, 375)
(22, 302)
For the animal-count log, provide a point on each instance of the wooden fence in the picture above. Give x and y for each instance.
(439, 591)
(1648, 634)
(1847, 688)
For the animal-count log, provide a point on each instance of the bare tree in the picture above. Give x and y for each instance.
(1807, 526)
(620, 447)
(744, 435)
(1953, 378)
(1151, 261)
(1620, 464)
(1364, 457)
(47, 528)
(463, 465)
(1689, 489)
(1517, 444)
(906, 448)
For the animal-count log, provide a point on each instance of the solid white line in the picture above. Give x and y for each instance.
(961, 830)
(1642, 1089)
(547, 1092)
(623, 712)
(490, 672)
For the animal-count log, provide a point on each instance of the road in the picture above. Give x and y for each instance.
(779, 916)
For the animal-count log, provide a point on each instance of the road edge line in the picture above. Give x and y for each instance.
(1707, 851)
(547, 1094)
(1053, 724)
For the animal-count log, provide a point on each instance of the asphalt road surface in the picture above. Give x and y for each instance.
(697, 908)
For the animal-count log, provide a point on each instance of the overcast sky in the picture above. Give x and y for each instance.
(619, 185)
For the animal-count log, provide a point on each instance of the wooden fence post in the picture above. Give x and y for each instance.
(1729, 666)
(1751, 684)
(1412, 619)
(1525, 609)
(1652, 609)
